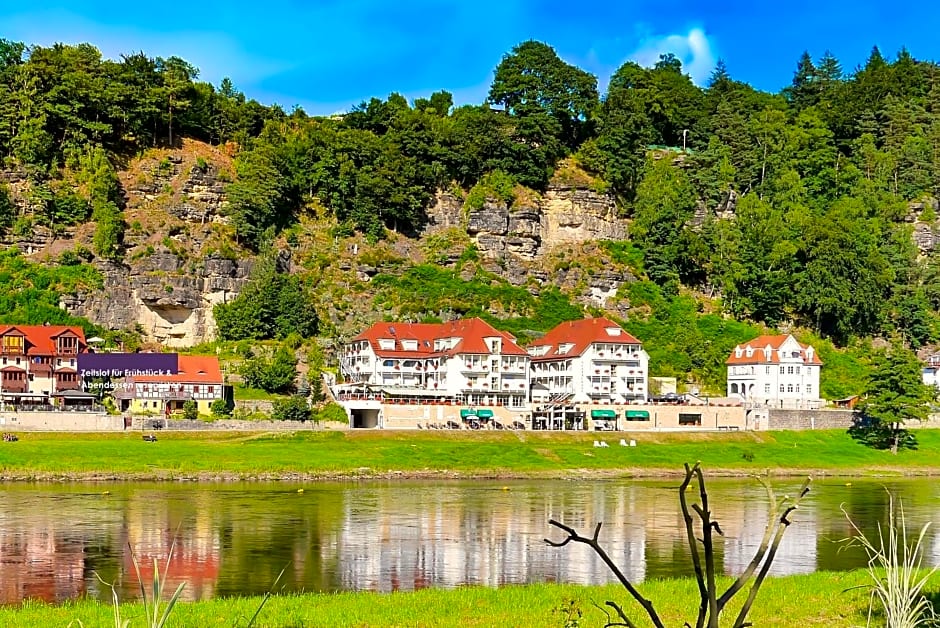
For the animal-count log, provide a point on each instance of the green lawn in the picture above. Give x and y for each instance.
(821, 599)
(499, 454)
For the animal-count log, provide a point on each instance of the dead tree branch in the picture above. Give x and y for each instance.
(711, 604)
(595, 545)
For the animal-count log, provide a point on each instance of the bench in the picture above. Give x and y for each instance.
(727, 428)
(150, 438)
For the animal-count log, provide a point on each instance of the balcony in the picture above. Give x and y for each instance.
(619, 357)
(474, 367)
(14, 387)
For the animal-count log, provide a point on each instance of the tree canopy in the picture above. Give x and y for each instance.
(790, 207)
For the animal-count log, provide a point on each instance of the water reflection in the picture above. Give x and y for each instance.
(60, 542)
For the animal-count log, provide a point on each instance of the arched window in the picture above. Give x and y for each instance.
(734, 389)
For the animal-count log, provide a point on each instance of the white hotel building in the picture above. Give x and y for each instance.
(591, 360)
(775, 371)
(467, 361)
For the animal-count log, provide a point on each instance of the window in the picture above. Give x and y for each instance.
(782, 370)
(690, 419)
(768, 370)
(797, 388)
(789, 370)
(781, 387)
(809, 389)
(797, 370)
(790, 388)
(767, 389)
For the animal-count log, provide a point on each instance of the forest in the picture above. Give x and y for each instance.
(824, 180)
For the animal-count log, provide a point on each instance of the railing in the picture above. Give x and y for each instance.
(169, 395)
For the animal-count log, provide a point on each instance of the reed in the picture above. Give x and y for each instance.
(896, 572)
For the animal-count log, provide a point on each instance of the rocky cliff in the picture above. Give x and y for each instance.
(530, 228)
(163, 296)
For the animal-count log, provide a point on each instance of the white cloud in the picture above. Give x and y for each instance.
(693, 49)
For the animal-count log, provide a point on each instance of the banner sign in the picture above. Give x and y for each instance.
(118, 365)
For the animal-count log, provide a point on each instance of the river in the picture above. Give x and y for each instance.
(64, 541)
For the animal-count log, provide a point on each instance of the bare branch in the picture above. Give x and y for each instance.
(782, 526)
(625, 622)
(709, 550)
(693, 545)
(759, 554)
(595, 545)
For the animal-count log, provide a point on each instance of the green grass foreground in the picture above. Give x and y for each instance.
(820, 599)
(312, 454)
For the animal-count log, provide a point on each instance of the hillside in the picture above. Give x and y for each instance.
(813, 210)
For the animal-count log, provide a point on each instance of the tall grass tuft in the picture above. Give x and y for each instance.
(895, 568)
(154, 617)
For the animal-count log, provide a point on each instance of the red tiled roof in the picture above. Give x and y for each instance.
(40, 339)
(471, 331)
(193, 369)
(582, 333)
(774, 342)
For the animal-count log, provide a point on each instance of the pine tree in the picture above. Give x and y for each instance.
(895, 395)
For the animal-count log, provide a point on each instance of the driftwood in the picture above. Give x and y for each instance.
(702, 550)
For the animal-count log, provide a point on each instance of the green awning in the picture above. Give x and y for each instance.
(603, 414)
(485, 414)
(638, 415)
(467, 412)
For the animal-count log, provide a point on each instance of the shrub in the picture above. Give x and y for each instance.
(291, 409)
(332, 412)
(220, 408)
(275, 375)
(190, 410)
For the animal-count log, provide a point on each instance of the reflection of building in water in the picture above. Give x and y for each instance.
(436, 536)
(744, 520)
(40, 563)
(153, 533)
(43, 537)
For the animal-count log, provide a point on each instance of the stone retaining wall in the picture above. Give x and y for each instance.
(61, 421)
(824, 419)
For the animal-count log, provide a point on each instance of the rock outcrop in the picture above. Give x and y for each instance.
(197, 190)
(528, 229)
(169, 299)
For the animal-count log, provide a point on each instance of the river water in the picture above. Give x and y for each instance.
(63, 541)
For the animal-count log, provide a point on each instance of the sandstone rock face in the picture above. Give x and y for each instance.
(169, 298)
(925, 237)
(201, 196)
(563, 215)
(446, 212)
(579, 215)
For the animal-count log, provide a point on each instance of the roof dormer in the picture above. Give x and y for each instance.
(409, 345)
(613, 331)
(387, 344)
(737, 352)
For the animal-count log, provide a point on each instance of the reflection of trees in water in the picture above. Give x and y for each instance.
(234, 539)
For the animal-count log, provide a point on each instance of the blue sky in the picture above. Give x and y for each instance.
(329, 55)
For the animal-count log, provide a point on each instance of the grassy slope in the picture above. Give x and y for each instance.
(820, 599)
(44, 455)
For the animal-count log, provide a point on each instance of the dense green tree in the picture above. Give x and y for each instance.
(532, 81)
(665, 204)
(274, 375)
(274, 304)
(895, 396)
(294, 408)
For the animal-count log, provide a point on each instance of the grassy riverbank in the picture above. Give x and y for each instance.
(821, 599)
(309, 455)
